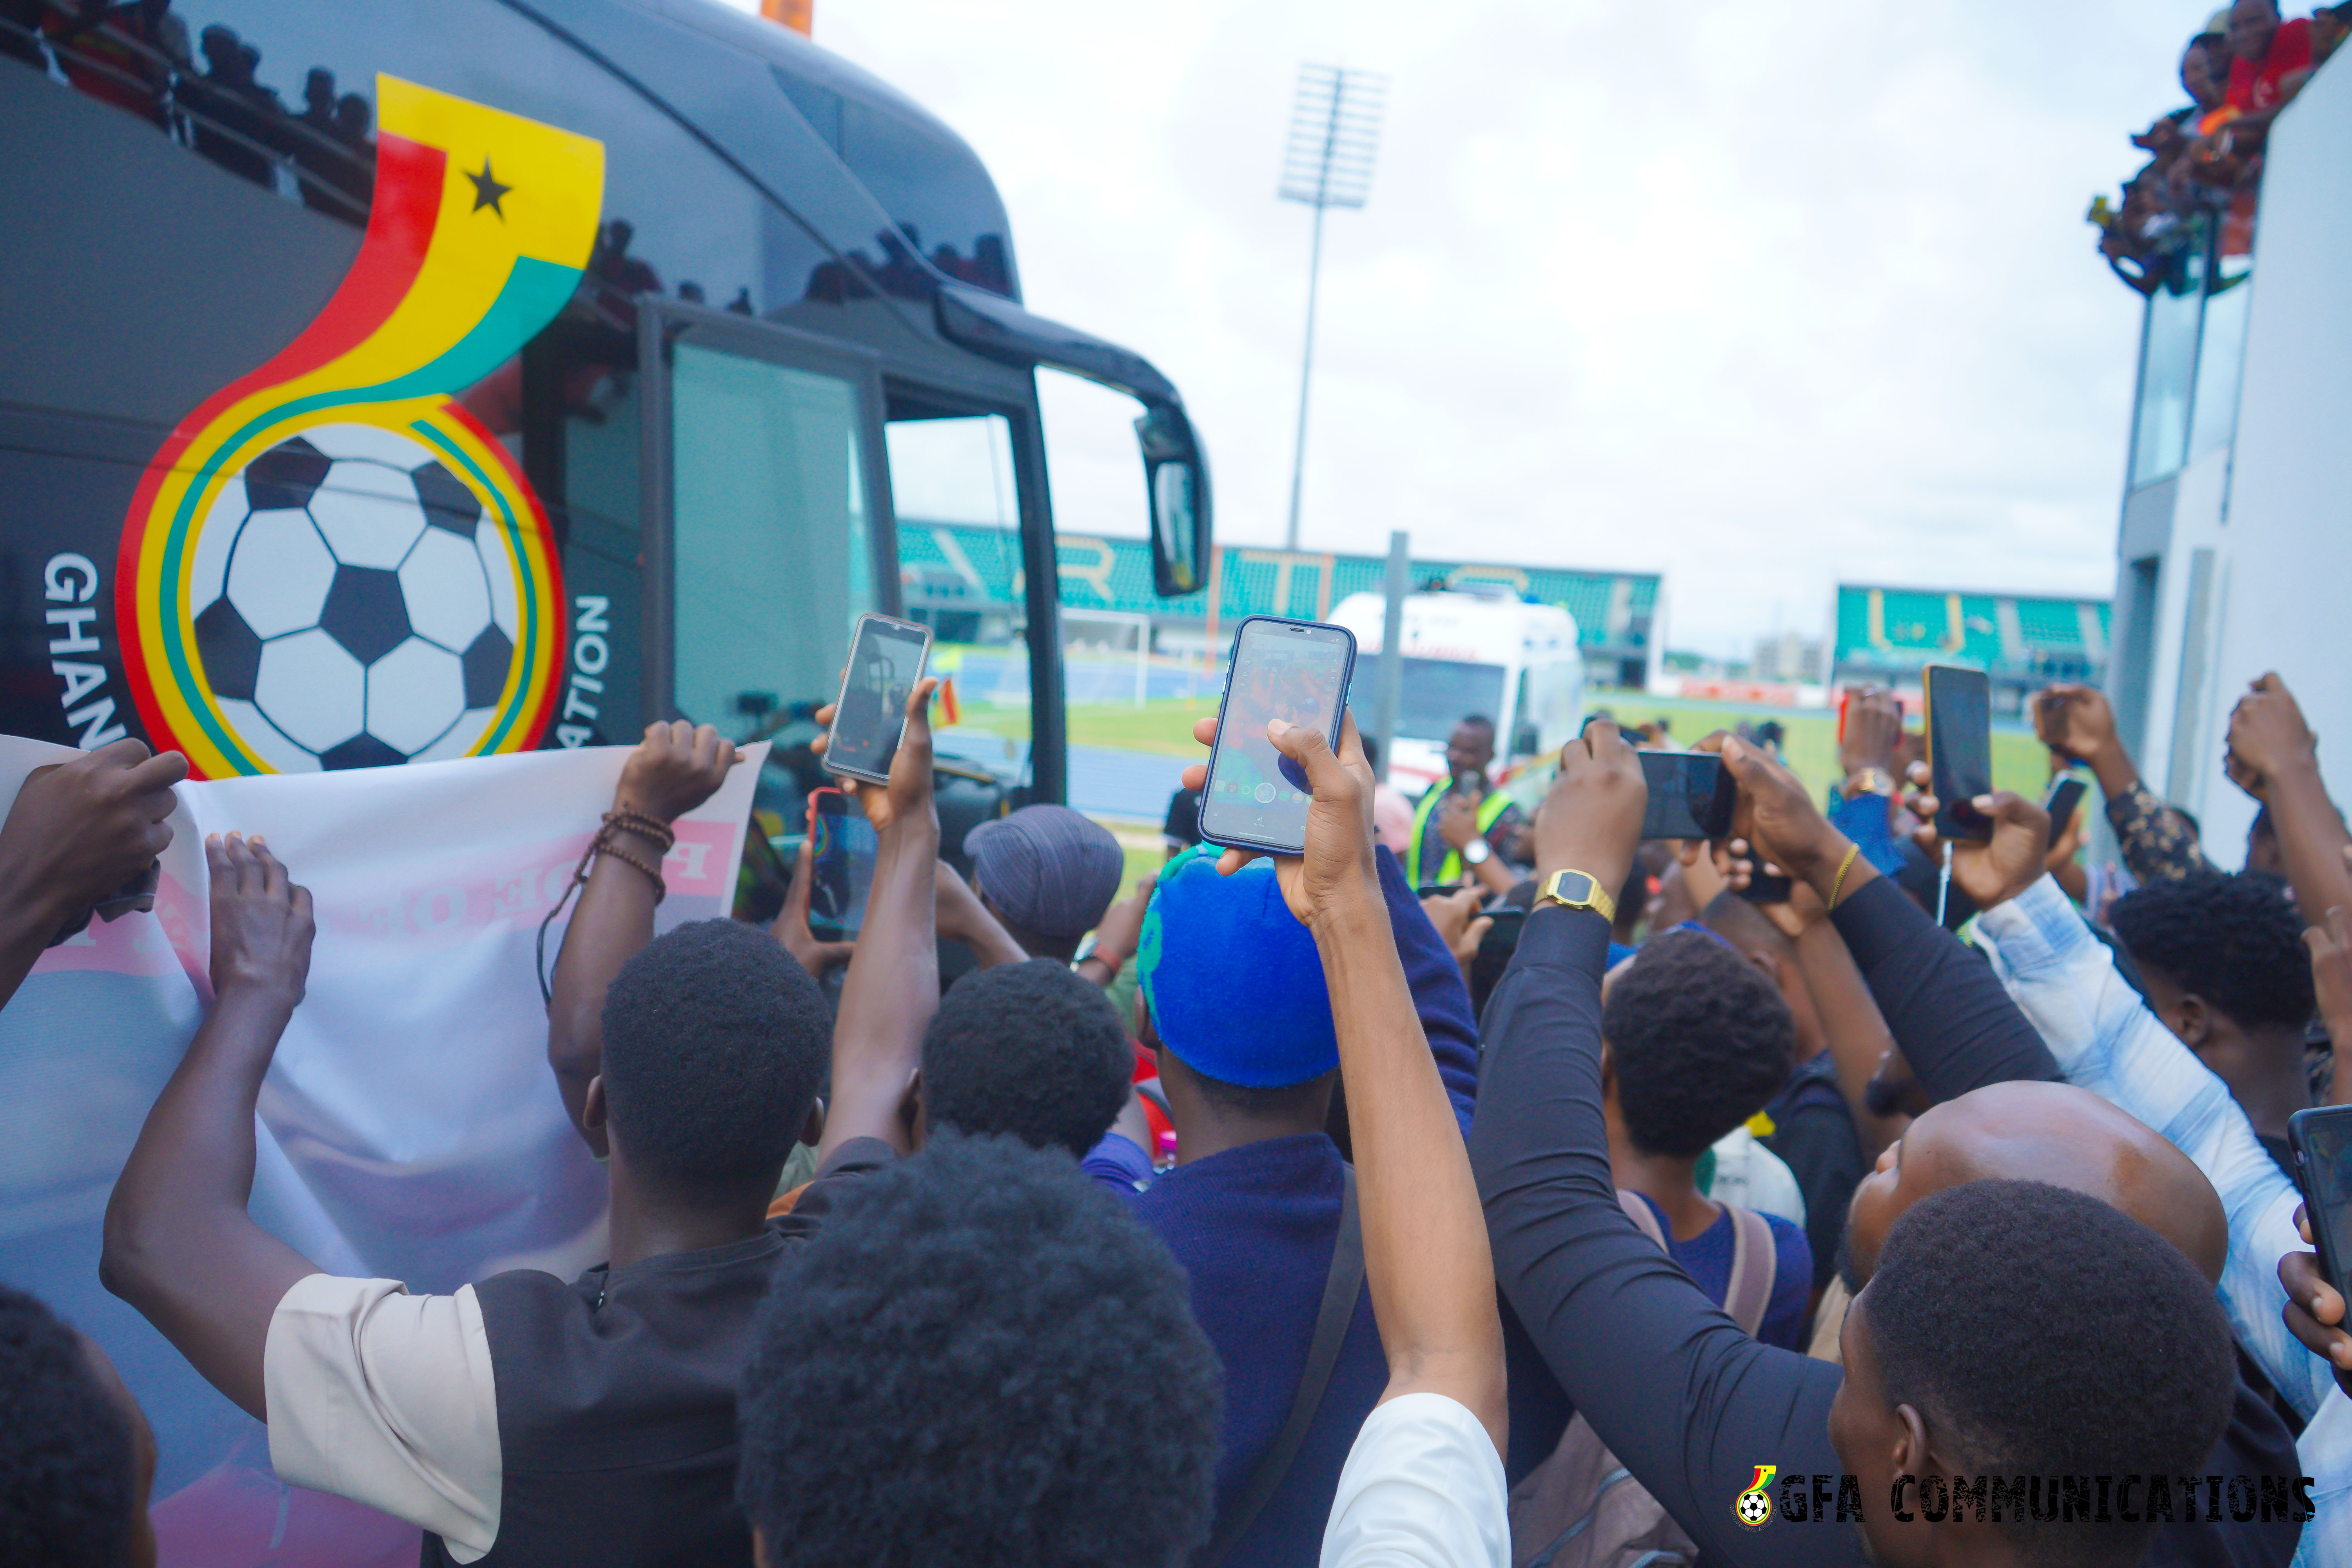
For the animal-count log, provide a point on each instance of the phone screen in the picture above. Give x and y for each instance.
(1959, 748)
(1282, 669)
(2065, 795)
(2322, 1139)
(1690, 795)
(842, 848)
(886, 659)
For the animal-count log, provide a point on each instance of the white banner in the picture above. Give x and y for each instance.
(409, 1128)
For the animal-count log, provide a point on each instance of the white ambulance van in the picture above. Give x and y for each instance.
(1469, 651)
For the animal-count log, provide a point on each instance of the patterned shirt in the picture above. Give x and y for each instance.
(2157, 843)
(2107, 1040)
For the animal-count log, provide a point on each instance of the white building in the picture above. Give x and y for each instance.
(2235, 551)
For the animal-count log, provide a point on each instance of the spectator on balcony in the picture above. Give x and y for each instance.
(2266, 52)
(231, 112)
(2330, 25)
(119, 54)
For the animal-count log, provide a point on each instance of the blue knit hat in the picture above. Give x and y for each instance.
(1233, 981)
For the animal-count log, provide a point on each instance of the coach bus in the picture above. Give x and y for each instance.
(430, 378)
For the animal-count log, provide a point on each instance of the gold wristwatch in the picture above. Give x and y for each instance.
(1868, 781)
(1577, 890)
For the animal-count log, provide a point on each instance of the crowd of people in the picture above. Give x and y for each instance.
(1543, 1212)
(2205, 160)
(135, 55)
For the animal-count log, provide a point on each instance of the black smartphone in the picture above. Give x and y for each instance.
(1959, 749)
(1255, 798)
(1691, 794)
(841, 847)
(2321, 1139)
(2065, 795)
(1764, 889)
(886, 659)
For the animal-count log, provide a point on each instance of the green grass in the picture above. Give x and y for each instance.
(1165, 729)
(2019, 761)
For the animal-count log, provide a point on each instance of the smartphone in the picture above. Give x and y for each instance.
(2065, 795)
(1255, 798)
(1959, 749)
(1763, 889)
(2321, 1139)
(1691, 795)
(841, 860)
(886, 659)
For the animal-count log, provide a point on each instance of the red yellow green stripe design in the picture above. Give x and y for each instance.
(481, 224)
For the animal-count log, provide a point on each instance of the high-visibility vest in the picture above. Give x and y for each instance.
(1492, 807)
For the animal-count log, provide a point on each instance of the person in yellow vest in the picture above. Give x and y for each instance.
(1463, 824)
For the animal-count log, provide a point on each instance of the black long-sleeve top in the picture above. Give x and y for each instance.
(1942, 1002)
(1688, 1403)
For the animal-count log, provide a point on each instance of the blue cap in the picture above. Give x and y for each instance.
(1233, 981)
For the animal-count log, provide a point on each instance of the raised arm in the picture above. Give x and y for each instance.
(2075, 722)
(179, 1245)
(2108, 1042)
(79, 834)
(1688, 1403)
(1856, 1032)
(1956, 1027)
(894, 983)
(1425, 1249)
(672, 770)
(2274, 757)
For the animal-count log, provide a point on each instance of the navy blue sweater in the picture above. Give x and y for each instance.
(1253, 1228)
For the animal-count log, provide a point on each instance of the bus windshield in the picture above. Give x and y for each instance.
(1438, 693)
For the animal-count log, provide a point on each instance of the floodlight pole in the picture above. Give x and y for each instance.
(1306, 366)
(1327, 162)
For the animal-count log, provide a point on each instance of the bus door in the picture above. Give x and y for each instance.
(765, 505)
(976, 561)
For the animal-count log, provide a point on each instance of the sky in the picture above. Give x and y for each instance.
(1759, 295)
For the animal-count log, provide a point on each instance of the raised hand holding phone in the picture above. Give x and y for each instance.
(1255, 793)
(1335, 857)
(865, 724)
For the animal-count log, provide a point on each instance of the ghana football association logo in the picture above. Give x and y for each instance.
(332, 563)
(1753, 1507)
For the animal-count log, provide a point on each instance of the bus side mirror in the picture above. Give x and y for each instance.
(1177, 477)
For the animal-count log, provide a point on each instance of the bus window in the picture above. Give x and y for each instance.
(953, 490)
(771, 535)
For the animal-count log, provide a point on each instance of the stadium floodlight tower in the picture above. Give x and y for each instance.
(1335, 135)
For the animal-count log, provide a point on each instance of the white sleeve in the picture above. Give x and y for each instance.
(1423, 1488)
(387, 1398)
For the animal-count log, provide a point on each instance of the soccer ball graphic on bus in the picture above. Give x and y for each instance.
(353, 607)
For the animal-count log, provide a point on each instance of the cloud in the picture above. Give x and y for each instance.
(1758, 294)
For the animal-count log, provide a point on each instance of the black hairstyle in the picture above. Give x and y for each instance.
(1742, 923)
(983, 1358)
(715, 1042)
(1993, 1312)
(1030, 1049)
(1699, 1040)
(67, 1469)
(1480, 720)
(2234, 939)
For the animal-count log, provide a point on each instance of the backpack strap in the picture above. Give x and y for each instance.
(1755, 1267)
(1340, 1288)
(1637, 1209)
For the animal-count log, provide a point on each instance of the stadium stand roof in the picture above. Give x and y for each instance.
(972, 567)
(1890, 633)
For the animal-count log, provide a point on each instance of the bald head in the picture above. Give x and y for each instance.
(2050, 1132)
